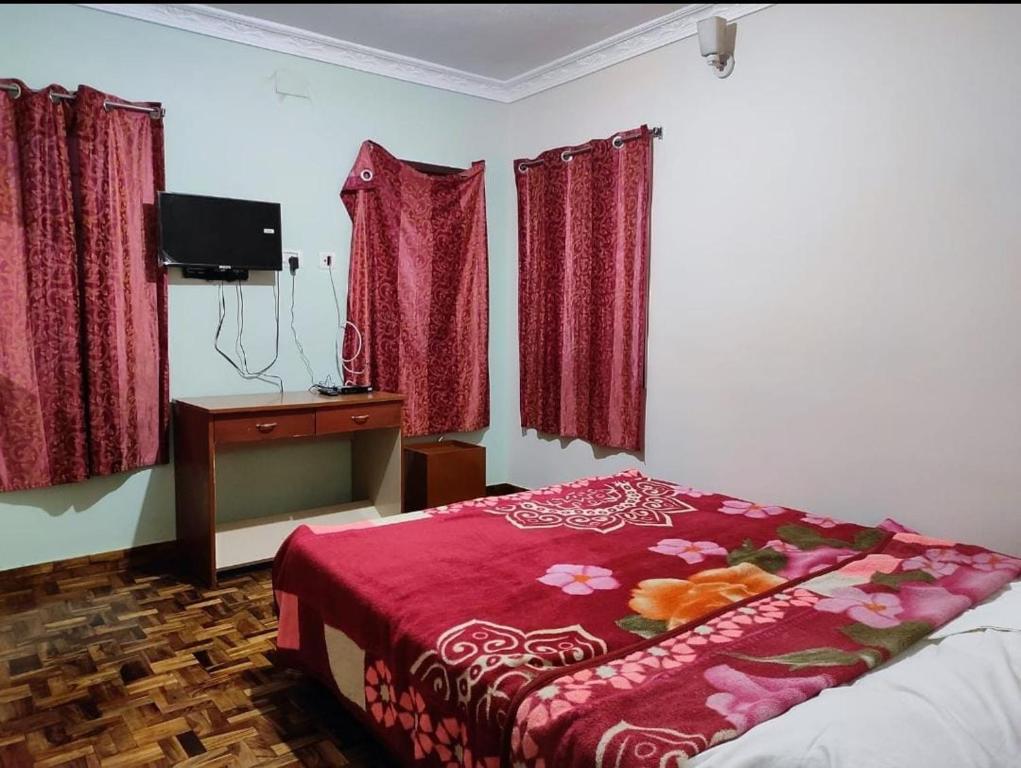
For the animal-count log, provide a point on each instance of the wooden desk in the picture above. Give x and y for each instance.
(205, 424)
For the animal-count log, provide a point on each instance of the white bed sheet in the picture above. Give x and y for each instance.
(953, 702)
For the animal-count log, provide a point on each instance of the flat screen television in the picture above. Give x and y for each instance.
(218, 237)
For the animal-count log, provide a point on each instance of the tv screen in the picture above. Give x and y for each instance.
(200, 231)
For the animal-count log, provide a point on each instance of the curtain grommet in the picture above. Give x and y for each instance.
(365, 175)
(617, 141)
(522, 167)
(16, 93)
(566, 156)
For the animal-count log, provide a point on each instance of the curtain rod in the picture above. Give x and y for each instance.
(617, 142)
(154, 112)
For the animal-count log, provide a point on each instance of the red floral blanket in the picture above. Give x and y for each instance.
(618, 621)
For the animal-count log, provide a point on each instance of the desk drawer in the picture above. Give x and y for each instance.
(356, 418)
(269, 426)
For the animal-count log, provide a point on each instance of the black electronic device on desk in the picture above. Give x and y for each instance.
(351, 389)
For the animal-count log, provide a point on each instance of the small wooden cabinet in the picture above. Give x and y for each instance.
(202, 426)
(444, 472)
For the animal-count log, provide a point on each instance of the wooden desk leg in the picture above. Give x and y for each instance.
(376, 469)
(195, 492)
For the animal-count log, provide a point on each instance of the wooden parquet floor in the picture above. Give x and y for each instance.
(103, 664)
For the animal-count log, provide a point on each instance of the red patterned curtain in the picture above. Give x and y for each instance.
(124, 290)
(83, 353)
(418, 290)
(42, 422)
(583, 267)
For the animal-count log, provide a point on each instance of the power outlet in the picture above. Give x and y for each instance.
(291, 253)
(327, 259)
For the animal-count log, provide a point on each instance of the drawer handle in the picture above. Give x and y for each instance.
(269, 426)
(360, 419)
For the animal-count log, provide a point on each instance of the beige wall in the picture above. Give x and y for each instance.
(836, 266)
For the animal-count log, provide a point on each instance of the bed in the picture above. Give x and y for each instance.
(627, 621)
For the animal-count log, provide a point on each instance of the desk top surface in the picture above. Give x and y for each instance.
(286, 401)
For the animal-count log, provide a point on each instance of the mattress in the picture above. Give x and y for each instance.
(619, 621)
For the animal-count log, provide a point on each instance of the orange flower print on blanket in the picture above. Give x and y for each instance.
(678, 601)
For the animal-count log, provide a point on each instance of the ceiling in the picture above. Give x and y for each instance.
(492, 40)
(495, 51)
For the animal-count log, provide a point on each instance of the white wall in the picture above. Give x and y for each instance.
(836, 264)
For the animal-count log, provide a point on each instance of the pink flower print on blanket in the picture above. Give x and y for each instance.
(945, 562)
(993, 561)
(853, 574)
(747, 700)
(910, 537)
(801, 562)
(689, 551)
(936, 562)
(415, 719)
(869, 566)
(976, 583)
(931, 604)
(535, 713)
(579, 579)
(468, 760)
(879, 610)
(380, 694)
(915, 602)
(447, 741)
(687, 490)
(819, 521)
(748, 509)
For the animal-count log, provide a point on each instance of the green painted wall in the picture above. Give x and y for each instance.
(228, 133)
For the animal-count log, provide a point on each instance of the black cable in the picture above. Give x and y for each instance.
(260, 375)
(294, 332)
(243, 371)
(222, 308)
(340, 330)
(270, 378)
(342, 363)
(239, 344)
